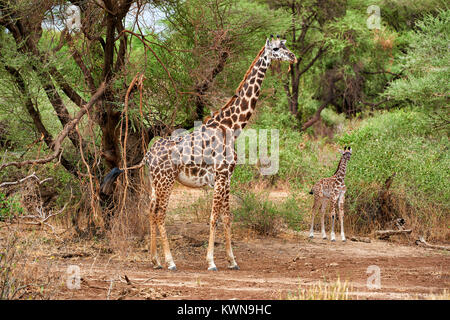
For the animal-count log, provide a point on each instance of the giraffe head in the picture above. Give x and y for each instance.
(276, 50)
(346, 154)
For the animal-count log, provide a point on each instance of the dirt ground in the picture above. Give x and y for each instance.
(270, 267)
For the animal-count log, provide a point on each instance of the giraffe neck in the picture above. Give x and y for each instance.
(236, 114)
(342, 167)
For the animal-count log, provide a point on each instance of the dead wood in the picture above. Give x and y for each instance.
(360, 239)
(422, 243)
(385, 234)
(31, 176)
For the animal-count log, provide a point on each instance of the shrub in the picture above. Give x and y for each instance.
(399, 142)
(257, 212)
(9, 207)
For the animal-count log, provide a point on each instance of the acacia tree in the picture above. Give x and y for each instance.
(90, 72)
(24, 20)
(306, 38)
(221, 37)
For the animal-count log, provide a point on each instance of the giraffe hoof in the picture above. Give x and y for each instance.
(157, 267)
(172, 268)
(333, 240)
(212, 269)
(311, 237)
(235, 267)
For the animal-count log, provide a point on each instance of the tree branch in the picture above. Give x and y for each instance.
(63, 134)
(33, 175)
(36, 116)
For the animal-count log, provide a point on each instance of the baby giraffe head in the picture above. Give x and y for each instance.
(276, 50)
(346, 154)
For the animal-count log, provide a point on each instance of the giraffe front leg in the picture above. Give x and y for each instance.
(220, 184)
(227, 221)
(212, 234)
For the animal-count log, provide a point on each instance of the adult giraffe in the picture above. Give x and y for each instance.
(207, 157)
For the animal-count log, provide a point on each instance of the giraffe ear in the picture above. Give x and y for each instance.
(283, 42)
(268, 43)
(341, 151)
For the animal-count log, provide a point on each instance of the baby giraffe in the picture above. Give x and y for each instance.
(331, 189)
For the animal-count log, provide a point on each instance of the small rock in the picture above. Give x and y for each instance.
(333, 264)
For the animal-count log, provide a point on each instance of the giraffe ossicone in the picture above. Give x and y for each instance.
(207, 156)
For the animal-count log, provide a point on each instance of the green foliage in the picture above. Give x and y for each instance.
(298, 155)
(264, 216)
(426, 64)
(413, 38)
(9, 207)
(402, 14)
(400, 142)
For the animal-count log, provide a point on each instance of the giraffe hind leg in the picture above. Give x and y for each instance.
(162, 194)
(153, 249)
(315, 208)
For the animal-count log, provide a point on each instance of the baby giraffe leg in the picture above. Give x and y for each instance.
(314, 209)
(333, 218)
(341, 216)
(324, 207)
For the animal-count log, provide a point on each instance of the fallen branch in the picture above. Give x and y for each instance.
(316, 116)
(33, 175)
(40, 219)
(42, 216)
(385, 234)
(360, 239)
(422, 243)
(63, 134)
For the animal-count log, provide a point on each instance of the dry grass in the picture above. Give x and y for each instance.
(444, 295)
(373, 214)
(21, 274)
(322, 291)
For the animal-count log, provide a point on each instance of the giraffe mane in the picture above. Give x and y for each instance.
(233, 98)
(337, 169)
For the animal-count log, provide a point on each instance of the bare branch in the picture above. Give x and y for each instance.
(31, 176)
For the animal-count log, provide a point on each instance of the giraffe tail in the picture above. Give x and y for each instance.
(311, 192)
(107, 184)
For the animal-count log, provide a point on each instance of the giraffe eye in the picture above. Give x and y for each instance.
(276, 49)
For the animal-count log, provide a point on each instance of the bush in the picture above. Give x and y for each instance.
(257, 212)
(9, 207)
(399, 142)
